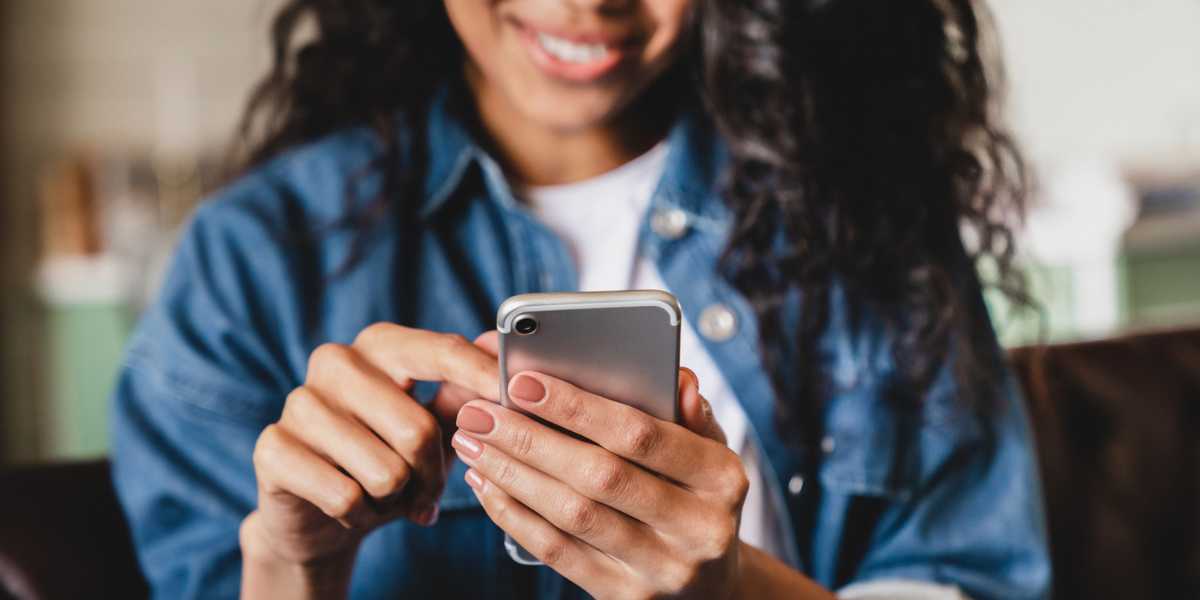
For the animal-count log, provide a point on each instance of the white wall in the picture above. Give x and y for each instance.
(1109, 80)
(122, 76)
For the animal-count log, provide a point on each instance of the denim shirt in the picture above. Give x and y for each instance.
(948, 494)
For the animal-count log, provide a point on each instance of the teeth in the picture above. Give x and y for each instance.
(570, 51)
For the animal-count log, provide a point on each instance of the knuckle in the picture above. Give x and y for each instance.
(641, 438)
(505, 474)
(723, 538)
(267, 448)
(389, 477)
(720, 535)
(343, 500)
(523, 442)
(578, 516)
(500, 513)
(375, 334)
(447, 345)
(571, 409)
(328, 358)
(678, 576)
(736, 483)
(550, 548)
(300, 404)
(425, 429)
(607, 478)
(420, 433)
(453, 341)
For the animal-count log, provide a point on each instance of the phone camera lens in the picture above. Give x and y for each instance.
(526, 325)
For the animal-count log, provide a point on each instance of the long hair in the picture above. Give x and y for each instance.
(862, 134)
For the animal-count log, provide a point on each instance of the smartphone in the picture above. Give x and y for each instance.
(623, 346)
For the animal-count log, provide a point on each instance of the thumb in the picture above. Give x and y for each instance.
(695, 413)
(489, 342)
(450, 398)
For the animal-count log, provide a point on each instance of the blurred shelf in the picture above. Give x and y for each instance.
(89, 314)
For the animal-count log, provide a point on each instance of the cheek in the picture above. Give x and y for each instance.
(477, 26)
(669, 17)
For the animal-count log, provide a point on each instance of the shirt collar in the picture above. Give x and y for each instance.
(694, 165)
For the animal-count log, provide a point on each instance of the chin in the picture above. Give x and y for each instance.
(568, 111)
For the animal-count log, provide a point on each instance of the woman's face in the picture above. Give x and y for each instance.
(568, 65)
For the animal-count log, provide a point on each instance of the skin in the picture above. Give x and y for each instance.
(353, 450)
(547, 131)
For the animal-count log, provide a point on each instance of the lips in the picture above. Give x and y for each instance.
(572, 56)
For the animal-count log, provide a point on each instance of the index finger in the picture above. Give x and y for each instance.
(407, 355)
(664, 448)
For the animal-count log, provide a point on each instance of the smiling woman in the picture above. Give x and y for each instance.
(302, 414)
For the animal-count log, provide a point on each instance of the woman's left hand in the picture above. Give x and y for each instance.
(650, 511)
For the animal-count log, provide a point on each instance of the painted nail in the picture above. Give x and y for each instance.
(428, 516)
(527, 389)
(476, 421)
(467, 447)
(475, 480)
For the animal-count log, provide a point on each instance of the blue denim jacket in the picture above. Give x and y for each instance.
(949, 496)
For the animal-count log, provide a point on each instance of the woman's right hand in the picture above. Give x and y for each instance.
(353, 449)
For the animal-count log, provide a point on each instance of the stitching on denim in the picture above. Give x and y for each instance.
(198, 395)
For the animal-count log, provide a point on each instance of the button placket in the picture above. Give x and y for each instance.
(718, 323)
(669, 223)
(796, 485)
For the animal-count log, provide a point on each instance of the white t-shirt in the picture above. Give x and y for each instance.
(600, 219)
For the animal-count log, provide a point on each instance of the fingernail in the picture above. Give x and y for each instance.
(428, 516)
(467, 447)
(527, 389)
(475, 480)
(476, 421)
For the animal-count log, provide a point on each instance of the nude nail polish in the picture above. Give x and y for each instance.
(467, 447)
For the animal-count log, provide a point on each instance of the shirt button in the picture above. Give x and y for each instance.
(718, 323)
(827, 444)
(670, 223)
(796, 485)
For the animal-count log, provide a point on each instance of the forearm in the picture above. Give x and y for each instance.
(266, 575)
(762, 577)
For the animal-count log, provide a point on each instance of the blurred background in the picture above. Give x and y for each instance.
(116, 115)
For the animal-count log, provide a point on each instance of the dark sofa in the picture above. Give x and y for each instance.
(1117, 423)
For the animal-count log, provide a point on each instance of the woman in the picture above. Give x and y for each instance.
(302, 416)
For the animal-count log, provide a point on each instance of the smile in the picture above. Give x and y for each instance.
(572, 56)
(570, 51)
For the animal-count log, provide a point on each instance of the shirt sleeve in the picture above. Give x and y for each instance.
(200, 380)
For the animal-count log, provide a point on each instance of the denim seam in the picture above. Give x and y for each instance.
(222, 404)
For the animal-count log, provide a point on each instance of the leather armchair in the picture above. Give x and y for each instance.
(1117, 424)
(63, 536)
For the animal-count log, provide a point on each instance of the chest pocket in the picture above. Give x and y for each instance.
(869, 446)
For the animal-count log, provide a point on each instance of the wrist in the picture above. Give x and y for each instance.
(760, 576)
(742, 571)
(268, 573)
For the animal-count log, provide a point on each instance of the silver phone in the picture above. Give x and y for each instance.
(623, 346)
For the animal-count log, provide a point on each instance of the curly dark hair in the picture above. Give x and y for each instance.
(862, 136)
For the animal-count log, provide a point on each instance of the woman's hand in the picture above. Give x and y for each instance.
(650, 511)
(354, 450)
